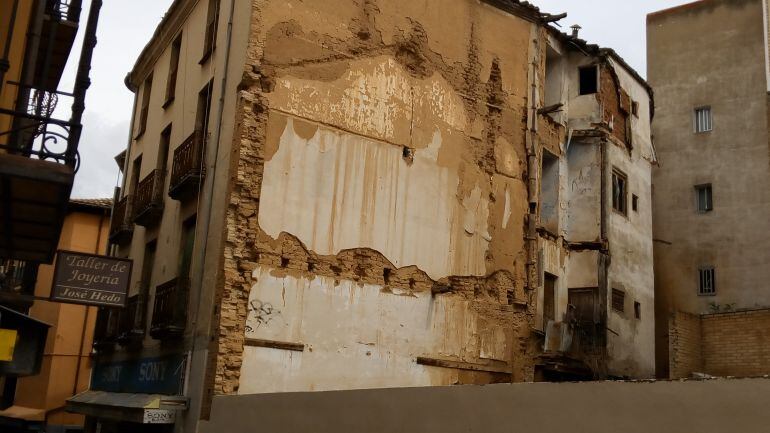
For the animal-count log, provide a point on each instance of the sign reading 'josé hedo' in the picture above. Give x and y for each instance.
(90, 279)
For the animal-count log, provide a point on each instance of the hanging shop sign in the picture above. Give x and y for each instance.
(90, 279)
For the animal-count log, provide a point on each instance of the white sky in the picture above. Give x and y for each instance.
(125, 26)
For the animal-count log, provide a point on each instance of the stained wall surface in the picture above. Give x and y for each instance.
(723, 68)
(380, 198)
(731, 405)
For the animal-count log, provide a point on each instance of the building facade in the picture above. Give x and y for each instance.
(711, 132)
(38, 401)
(361, 195)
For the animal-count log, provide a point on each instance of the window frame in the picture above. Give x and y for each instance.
(709, 198)
(619, 174)
(615, 293)
(637, 310)
(696, 119)
(173, 71)
(710, 271)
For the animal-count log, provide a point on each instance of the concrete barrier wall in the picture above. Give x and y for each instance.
(716, 406)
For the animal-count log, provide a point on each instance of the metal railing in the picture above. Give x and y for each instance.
(65, 10)
(169, 315)
(132, 323)
(149, 197)
(121, 218)
(17, 276)
(187, 170)
(106, 329)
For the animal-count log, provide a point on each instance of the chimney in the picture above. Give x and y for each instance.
(575, 30)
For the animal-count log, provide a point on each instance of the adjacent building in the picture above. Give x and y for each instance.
(366, 195)
(711, 197)
(37, 402)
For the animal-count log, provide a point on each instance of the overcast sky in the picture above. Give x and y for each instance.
(125, 26)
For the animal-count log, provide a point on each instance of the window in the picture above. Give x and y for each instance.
(165, 141)
(635, 108)
(136, 168)
(637, 310)
(209, 42)
(146, 92)
(619, 191)
(703, 120)
(589, 80)
(704, 198)
(707, 281)
(618, 300)
(635, 202)
(549, 299)
(173, 70)
(549, 193)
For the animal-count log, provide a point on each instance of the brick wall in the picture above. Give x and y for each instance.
(684, 345)
(724, 344)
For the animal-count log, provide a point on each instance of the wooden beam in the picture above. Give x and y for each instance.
(272, 344)
(459, 365)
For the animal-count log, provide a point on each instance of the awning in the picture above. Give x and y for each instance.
(29, 414)
(137, 408)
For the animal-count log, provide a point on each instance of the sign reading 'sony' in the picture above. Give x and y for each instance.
(89, 279)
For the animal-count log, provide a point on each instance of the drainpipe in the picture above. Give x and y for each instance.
(5, 64)
(198, 271)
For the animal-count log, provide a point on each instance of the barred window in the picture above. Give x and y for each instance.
(705, 199)
(707, 281)
(618, 300)
(703, 119)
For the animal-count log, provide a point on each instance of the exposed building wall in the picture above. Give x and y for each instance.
(721, 68)
(378, 213)
(8, 92)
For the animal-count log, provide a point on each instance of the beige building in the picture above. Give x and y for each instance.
(361, 195)
(39, 401)
(711, 196)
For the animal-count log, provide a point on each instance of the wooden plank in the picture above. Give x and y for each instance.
(458, 365)
(272, 344)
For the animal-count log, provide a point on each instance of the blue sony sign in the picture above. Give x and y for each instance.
(164, 375)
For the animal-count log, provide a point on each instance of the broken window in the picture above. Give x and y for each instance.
(704, 197)
(703, 119)
(707, 281)
(637, 310)
(619, 191)
(618, 300)
(553, 77)
(589, 80)
(549, 299)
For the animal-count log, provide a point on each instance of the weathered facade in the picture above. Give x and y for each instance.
(711, 129)
(364, 207)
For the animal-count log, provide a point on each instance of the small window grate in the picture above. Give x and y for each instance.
(707, 282)
(703, 119)
(618, 300)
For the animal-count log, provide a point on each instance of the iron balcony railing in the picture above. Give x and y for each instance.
(187, 170)
(122, 228)
(132, 320)
(64, 10)
(169, 314)
(35, 133)
(148, 199)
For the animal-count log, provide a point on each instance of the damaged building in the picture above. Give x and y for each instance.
(368, 194)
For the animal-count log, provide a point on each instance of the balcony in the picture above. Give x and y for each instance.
(169, 315)
(57, 37)
(122, 228)
(106, 329)
(187, 171)
(132, 323)
(148, 199)
(17, 280)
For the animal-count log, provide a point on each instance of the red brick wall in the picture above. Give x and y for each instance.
(724, 344)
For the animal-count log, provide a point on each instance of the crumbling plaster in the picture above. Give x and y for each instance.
(381, 151)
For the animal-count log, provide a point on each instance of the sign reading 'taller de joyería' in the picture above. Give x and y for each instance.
(90, 279)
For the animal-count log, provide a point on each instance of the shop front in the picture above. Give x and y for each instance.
(134, 395)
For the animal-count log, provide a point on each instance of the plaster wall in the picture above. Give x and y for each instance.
(380, 183)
